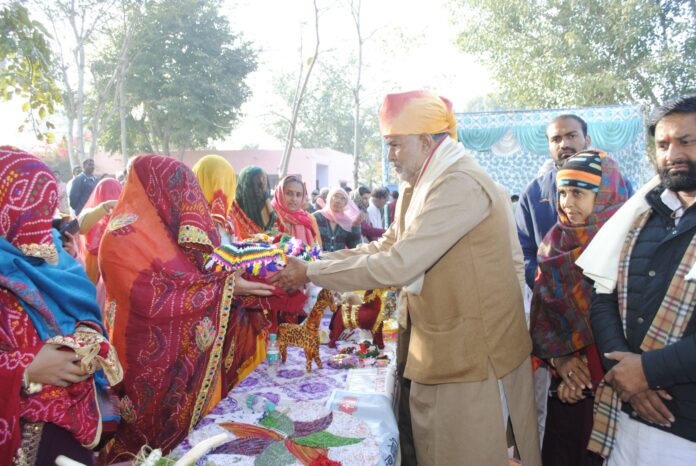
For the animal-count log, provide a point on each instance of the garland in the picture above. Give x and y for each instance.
(366, 354)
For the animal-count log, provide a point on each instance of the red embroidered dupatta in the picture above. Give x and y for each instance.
(28, 198)
(168, 316)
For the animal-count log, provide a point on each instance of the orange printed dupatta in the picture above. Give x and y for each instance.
(245, 227)
(168, 316)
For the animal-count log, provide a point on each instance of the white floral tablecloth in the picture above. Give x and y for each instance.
(303, 396)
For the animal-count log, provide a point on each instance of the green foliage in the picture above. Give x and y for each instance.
(278, 421)
(326, 117)
(554, 53)
(275, 455)
(326, 440)
(25, 67)
(186, 77)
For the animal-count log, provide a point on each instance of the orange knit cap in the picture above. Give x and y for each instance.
(416, 112)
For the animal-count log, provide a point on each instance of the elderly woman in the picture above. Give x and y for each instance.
(173, 320)
(590, 189)
(49, 322)
(219, 182)
(338, 222)
(252, 210)
(289, 197)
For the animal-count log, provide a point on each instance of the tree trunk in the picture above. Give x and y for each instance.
(165, 144)
(69, 102)
(150, 139)
(80, 97)
(122, 116)
(153, 128)
(356, 95)
(285, 161)
(356, 140)
(84, 18)
(74, 160)
(95, 118)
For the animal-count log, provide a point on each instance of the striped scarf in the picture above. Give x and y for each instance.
(667, 328)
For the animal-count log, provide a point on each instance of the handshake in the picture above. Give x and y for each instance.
(293, 276)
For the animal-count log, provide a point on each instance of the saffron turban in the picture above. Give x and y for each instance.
(416, 112)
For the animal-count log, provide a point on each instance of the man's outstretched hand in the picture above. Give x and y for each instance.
(293, 276)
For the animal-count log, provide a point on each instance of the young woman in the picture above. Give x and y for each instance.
(289, 197)
(337, 222)
(590, 189)
(219, 183)
(174, 321)
(252, 210)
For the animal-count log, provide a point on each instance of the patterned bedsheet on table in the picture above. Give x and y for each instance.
(323, 414)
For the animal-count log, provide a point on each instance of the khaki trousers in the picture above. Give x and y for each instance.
(462, 423)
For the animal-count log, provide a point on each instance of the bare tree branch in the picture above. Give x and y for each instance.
(283, 169)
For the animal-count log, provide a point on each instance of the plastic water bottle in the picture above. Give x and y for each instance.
(260, 404)
(272, 353)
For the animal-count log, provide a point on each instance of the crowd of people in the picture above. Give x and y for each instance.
(116, 331)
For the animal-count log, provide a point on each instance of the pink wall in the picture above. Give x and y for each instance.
(339, 166)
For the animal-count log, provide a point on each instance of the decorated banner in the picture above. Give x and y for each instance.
(512, 146)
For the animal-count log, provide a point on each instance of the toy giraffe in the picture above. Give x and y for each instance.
(306, 335)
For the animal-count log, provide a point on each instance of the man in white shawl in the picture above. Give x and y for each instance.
(643, 263)
(463, 340)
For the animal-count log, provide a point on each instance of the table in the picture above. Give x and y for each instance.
(359, 402)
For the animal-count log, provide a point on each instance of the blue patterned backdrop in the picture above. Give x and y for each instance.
(512, 146)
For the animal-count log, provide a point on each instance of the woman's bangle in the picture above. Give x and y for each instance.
(30, 387)
(552, 362)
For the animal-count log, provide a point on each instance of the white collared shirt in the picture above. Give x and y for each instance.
(671, 200)
(375, 216)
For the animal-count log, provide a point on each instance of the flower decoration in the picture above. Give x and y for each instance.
(366, 354)
(279, 440)
(343, 361)
(205, 333)
(365, 349)
(127, 409)
(297, 248)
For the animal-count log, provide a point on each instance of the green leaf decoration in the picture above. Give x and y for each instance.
(275, 455)
(278, 421)
(326, 440)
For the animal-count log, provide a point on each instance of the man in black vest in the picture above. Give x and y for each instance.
(646, 327)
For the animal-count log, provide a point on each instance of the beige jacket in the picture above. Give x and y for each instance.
(470, 309)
